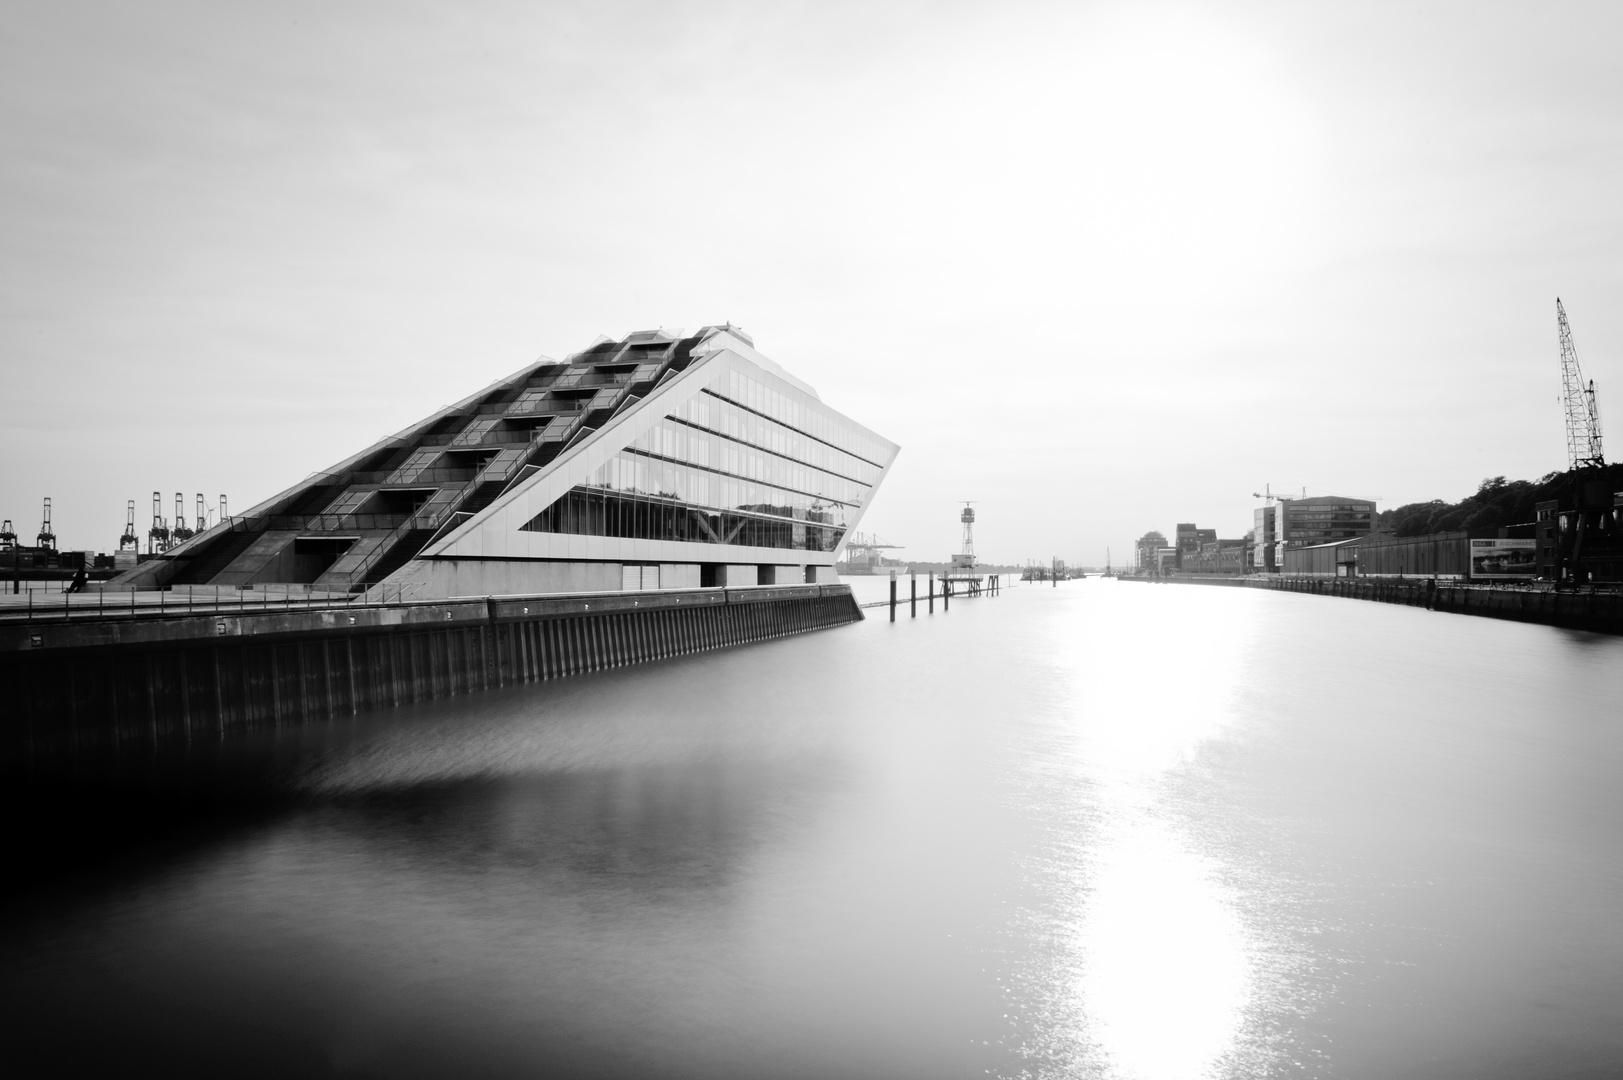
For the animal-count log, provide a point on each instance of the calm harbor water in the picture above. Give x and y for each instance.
(1104, 830)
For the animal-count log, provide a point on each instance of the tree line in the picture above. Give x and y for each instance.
(1497, 502)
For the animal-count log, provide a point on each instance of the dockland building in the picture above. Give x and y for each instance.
(1309, 522)
(662, 460)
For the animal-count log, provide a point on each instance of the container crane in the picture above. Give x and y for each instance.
(1583, 414)
(158, 535)
(129, 540)
(181, 533)
(47, 538)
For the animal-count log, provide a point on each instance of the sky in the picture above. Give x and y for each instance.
(1099, 267)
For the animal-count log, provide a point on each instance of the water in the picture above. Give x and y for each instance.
(1104, 830)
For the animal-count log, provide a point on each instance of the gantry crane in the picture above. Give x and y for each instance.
(1583, 414)
(180, 533)
(158, 535)
(129, 541)
(47, 538)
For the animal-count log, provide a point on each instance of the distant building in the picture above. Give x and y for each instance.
(1217, 557)
(1322, 519)
(1148, 547)
(1189, 539)
(1263, 539)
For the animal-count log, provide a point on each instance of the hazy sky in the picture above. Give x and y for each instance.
(1101, 267)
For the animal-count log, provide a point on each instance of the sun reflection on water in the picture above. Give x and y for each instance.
(1159, 980)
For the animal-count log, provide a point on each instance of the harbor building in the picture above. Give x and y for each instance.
(1231, 557)
(1188, 540)
(1322, 519)
(662, 460)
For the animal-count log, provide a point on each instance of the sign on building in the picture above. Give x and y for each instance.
(1504, 559)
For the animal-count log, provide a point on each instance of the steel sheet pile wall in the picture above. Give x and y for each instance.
(1317, 561)
(76, 691)
(1594, 609)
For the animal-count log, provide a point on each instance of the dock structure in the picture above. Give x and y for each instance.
(647, 497)
(82, 686)
(1597, 610)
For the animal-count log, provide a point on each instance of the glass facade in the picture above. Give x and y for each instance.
(1310, 522)
(749, 464)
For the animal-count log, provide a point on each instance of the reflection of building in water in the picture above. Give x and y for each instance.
(863, 556)
(662, 460)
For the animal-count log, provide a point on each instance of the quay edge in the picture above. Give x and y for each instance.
(94, 688)
(1595, 611)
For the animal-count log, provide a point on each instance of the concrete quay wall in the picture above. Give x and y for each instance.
(1601, 612)
(80, 689)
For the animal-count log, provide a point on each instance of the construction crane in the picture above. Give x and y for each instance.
(47, 538)
(1583, 414)
(129, 540)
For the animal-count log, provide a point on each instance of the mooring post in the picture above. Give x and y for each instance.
(946, 594)
(932, 592)
(893, 596)
(913, 596)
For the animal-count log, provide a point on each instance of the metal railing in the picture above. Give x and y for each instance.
(332, 522)
(60, 606)
(415, 521)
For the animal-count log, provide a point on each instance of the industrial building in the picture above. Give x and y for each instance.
(658, 461)
(1580, 533)
(1503, 558)
(1232, 557)
(1188, 538)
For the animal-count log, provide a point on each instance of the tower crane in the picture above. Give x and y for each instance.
(1583, 414)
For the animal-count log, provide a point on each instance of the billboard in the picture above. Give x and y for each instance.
(1504, 560)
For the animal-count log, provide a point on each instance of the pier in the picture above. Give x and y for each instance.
(80, 683)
